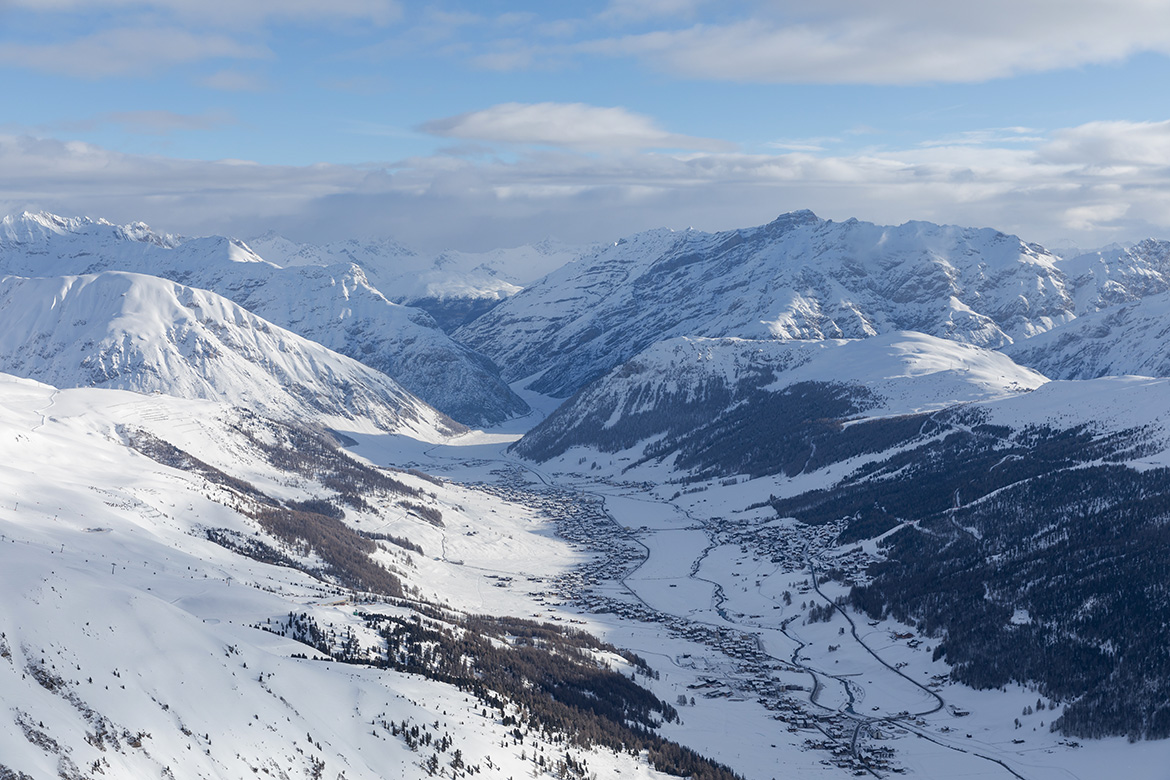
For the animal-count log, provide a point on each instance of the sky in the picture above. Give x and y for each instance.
(478, 125)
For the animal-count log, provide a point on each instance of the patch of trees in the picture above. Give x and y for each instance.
(541, 679)
(767, 433)
(168, 454)
(346, 553)
(1035, 557)
(318, 506)
(399, 541)
(249, 546)
(960, 463)
(429, 513)
(313, 453)
(715, 431)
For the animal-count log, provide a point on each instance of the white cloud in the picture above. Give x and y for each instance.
(1112, 144)
(1070, 186)
(989, 136)
(802, 144)
(566, 125)
(127, 51)
(1096, 217)
(648, 9)
(899, 41)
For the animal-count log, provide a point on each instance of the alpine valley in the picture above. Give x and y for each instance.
(804, 500)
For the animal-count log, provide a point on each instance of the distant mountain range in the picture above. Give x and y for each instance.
(801, 277)
(454, 287)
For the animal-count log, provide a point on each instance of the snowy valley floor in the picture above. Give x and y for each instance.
(719, 599)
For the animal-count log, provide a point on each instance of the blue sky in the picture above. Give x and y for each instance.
(474, 125)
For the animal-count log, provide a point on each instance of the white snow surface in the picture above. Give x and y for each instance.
(1118, 274)
(1128, 338)
(334, 305)
(143, 333)
(909, 372)
(904, 373)
(127, 640)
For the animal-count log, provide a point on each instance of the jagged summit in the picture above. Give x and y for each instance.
(798, 277)
(793, 219)
(36, 227)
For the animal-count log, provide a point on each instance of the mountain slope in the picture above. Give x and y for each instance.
(730, 406)
(1117, 275)
(798, 277)
(1030, 536)
(335, 306)
(148, 633)
(1129, 338)
(142, 333)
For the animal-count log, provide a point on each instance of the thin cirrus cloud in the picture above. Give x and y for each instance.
(126, 51)
(566, 125)
(153, 122)
(231, 13)
(897, 42)
(234, 81)
(648, 9)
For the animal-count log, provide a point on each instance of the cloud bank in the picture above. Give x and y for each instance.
(1092, 184)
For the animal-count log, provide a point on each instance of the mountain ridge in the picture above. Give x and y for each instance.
(798, 277)
(140, 332)
(336, 305)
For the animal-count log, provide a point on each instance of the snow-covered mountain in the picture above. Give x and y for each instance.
(739, 389)
(454, 287)
(151, 335)
(1128, 338)
(1118, 274)
(203, 582)
(333, 305)
(799, 277)
(1016, 523)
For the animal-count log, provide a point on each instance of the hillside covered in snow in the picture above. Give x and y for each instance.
(150, 335)
(335, 305)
